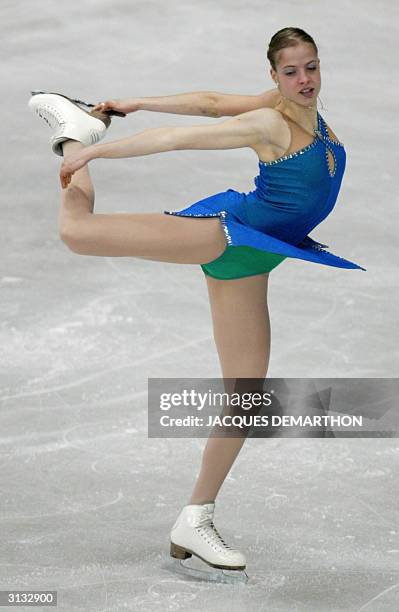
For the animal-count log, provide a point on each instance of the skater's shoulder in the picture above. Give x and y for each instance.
(269, 123)
(264, 115)
(268, 120)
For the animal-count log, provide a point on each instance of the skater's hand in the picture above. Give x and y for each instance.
(128, 105)
(71, 164)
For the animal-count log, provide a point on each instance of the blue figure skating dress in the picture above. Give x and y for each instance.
(293, 194)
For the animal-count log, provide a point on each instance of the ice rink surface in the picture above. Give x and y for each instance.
(87, 499)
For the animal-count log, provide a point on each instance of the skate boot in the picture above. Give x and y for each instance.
(70, 121)
(195, 534)
(110, 111)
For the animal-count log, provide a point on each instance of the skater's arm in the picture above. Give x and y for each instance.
(232, 104)
(202, 103)
(244, 130)
(196, 103)
(209, 103)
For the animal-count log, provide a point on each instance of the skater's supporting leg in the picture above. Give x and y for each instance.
(242, 334)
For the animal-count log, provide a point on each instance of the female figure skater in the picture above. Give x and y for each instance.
(237, 238)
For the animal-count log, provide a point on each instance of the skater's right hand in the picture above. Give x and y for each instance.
(128, 105)
(72, 163)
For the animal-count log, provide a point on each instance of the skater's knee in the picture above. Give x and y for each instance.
(70, 236)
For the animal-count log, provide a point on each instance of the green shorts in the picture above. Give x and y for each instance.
(241, 261)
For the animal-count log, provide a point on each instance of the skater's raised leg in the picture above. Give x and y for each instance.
(77, 200)
(154, 236)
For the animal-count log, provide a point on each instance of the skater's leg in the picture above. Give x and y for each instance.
(78, 199)
(242, 334)
(155, 236)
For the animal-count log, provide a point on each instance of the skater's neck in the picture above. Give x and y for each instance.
(305, 116)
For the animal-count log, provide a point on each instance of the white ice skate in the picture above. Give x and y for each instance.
(70, 121)
(195, 534)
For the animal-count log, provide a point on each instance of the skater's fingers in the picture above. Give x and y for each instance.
(67, 180)
(70, 165)
(65, 177)
(63, 181)
(102, 106)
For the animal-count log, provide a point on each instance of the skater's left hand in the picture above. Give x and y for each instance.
(71, 164)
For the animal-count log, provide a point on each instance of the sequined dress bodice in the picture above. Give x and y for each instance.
(295, 192)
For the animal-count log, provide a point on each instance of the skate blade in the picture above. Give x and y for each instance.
(196, 568)
(88, 104)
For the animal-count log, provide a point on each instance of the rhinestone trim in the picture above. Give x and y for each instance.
(290, 155)
(337, 142)
(223, 219)
(319, 135)
(222, 215)
(334, 158)
(296, 153)
(316, 247)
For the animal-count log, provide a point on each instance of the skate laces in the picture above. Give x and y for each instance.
(207, 530)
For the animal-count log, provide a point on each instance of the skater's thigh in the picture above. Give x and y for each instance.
(173, 239)
(241, 324)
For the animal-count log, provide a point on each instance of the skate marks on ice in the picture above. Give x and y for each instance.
(196, 568)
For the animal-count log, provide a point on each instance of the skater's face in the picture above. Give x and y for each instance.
(298, 68)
